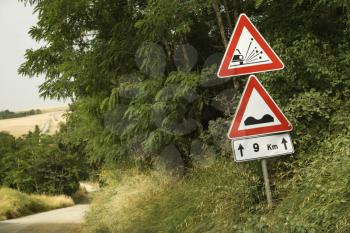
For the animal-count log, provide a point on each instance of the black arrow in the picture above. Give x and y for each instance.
(241, 148)
(284, 141)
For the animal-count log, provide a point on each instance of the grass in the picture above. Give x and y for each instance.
(15, 204)
(311, 195)
(81, 196)
(207, 200)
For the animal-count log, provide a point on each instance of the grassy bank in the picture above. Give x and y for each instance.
(311, 194)
(152, 203)
(15, 204)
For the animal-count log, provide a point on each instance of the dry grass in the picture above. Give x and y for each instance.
(81, 195)
(14, 204)
(205, 201)
(53, 202)
(49, 122)
(124, 201)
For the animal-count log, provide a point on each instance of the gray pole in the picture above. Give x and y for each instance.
(267, 183)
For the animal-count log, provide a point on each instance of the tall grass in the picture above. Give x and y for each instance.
(213, 198)
(15, 204)
(311, 195)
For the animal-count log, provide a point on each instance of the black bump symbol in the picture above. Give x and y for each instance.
(253, 121)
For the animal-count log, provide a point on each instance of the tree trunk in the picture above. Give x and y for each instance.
(237, 7)
(220, 22)
(237, 81)
(169, 55)
(228, 18)
(187, 58)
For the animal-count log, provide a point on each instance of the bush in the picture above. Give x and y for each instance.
(319, 193)
(39, 165)
(7, 146)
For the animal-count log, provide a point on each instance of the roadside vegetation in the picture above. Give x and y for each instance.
(149, 117)
(38, 173)
(39, 163)
(310, 196)
(14, 204)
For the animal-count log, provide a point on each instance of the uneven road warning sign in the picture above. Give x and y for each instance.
(248, 52)
(257, 113)
(262, 147)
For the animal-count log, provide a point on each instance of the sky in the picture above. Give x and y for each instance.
(18, 92)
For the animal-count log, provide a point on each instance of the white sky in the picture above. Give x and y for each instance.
(17, 92)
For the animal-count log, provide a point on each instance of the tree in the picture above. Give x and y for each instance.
(119, 61)
(37, 163)
(7, 146)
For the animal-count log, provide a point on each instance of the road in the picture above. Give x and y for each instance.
(65, 220)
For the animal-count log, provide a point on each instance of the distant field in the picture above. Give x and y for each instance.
(48, 122)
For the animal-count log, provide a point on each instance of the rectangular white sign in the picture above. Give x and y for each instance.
(262, 147)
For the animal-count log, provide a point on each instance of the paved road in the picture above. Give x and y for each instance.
(66, 220)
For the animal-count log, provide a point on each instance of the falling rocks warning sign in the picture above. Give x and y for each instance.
(248, 52)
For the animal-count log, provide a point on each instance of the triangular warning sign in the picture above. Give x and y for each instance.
(257, 113)
(248, 52)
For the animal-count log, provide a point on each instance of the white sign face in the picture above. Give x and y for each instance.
(257, 114)
(262, 147)
(248, 52)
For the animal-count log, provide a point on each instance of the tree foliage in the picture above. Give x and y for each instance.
(39, 163)
(142, 76)
(138, 86)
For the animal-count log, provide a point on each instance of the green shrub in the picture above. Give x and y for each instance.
(39, 165)
(7, 146)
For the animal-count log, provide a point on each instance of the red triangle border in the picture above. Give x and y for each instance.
(244, 22)
(235, 133)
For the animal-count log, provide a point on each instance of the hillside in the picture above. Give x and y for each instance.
(48, 122)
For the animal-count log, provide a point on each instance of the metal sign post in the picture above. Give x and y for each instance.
(261, 148)
(267, 183)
